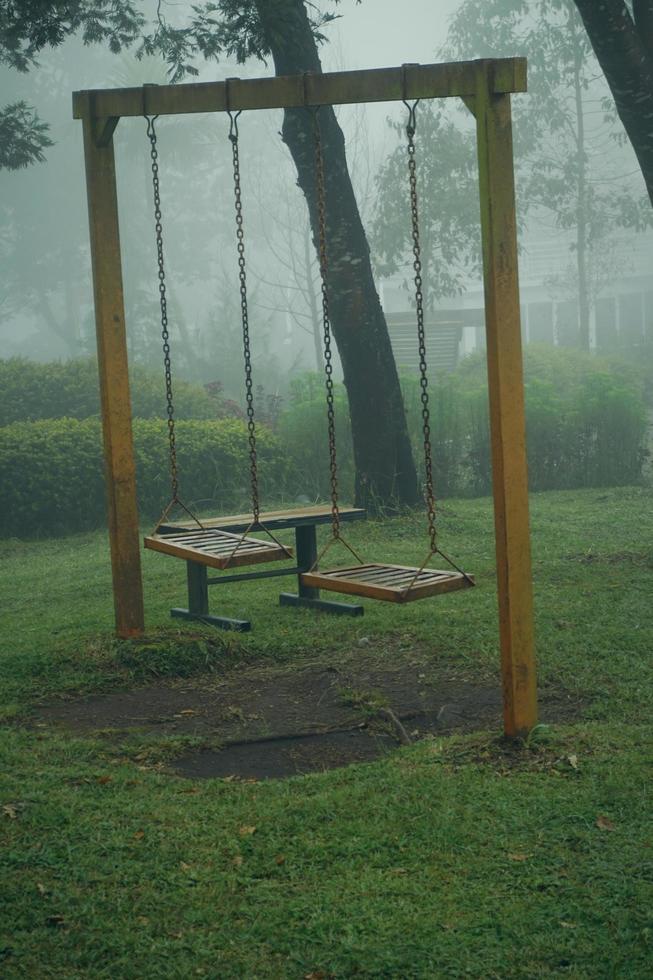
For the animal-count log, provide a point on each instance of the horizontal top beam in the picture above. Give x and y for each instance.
(292, 91)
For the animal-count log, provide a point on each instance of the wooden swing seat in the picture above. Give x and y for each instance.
(391, 583)
(216, 548)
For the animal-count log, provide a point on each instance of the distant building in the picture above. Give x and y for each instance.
(621, 318)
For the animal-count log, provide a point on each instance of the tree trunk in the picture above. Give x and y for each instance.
(311, 296)
(60, 331)
(385, 470)
(624, 49)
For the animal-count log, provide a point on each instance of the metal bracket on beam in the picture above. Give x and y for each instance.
(470, 102)
(103, 130)
(102, 127)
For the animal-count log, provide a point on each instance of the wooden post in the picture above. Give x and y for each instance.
(507, 418)
(114, 380)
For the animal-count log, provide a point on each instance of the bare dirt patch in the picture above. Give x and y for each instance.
(262, 722)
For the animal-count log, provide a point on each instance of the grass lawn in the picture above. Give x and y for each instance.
(452, 857)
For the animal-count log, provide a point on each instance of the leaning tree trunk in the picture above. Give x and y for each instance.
(624, 49)
(385, 471)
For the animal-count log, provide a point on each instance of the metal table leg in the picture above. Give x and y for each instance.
(307, 596)
(198, 602)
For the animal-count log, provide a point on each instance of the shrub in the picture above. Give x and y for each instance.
(51, 471)
(302, 429)
(31, 391)
(447, 425)
(586, 426)
(585, 421)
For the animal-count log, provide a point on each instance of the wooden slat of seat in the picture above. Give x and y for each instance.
(216, 548)
(221, 544)
(386, 574)
(390, 583)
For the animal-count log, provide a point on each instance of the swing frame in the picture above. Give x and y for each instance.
(485, 86)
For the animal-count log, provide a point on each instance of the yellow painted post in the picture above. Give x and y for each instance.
(113, 370)
(507, 419)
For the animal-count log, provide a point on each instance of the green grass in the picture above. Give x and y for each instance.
(456, 857)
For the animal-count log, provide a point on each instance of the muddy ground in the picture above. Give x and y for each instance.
(270, 722)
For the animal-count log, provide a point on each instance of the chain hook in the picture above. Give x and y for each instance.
(150, 120)
(411, 125)
(412, 114)
(233, 124)
(233, 115)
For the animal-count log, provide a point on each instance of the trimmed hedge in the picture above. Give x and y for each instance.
(52, 479)
(69, 389)
(586, 427)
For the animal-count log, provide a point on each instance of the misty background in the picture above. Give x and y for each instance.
(46, 307)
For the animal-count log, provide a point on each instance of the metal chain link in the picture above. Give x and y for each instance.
(242, 275)
(326, 321)
(174, 472)
(421, 338)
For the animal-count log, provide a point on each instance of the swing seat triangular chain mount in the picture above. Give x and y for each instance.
(391, 583)
(217, 549)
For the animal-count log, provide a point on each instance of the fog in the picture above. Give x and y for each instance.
(46, 308)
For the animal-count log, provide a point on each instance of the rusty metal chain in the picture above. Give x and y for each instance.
(326, 321)
(174, 472)
(421, 338)
(242, 275)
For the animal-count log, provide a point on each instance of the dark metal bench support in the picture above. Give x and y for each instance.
(308, 597)
(198, 602)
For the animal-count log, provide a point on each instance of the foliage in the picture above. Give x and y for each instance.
(31, 391)
(586, 424)
(29, 26)
(448, 205)
(289, 31)
(448, 426)
(586, 421)
(564, 167)
(23, 137)
(226, 28)
(52, 478)
(302, 429)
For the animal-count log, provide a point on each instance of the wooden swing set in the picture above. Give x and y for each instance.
(485, 88)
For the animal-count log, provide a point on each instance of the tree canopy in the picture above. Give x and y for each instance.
(28, 26)
(224, 28)
(448, 205)
(568, 137)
